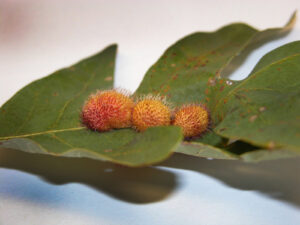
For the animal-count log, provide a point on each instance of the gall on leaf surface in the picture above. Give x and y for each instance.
(150, 111)
(44, 117)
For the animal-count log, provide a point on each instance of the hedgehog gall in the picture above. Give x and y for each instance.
(193, 119)
(106, 110)
(151, 111)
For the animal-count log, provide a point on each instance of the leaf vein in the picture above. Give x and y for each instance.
(42, 132)
(85, 86)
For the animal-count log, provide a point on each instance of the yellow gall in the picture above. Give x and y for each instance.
(106, 110)
(150, 112)
(193, 119)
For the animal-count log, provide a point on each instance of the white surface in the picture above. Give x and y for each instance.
(39, 37)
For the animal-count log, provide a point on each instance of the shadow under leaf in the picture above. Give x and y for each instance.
(278, 179)
(135, 185)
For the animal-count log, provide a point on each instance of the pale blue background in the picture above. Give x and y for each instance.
(39, 37)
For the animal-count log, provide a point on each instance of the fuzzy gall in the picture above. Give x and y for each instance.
(151, 111)
(193, 119)
(107, 110)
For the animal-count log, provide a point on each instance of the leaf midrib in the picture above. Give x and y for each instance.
(43, 132)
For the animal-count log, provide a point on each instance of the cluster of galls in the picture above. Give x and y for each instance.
(113, 109)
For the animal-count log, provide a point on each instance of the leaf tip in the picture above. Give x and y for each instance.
(113, 46)
(291, 22)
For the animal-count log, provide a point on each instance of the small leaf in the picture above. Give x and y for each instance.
(44, 117)
(264, 108)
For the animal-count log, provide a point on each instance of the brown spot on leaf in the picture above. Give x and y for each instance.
(242, 115)
(261, 109)
(167, 89)
(222, 88)
(253, 118)
(173, 65)
(211, 81)
(222, 129)
(278, 69)
(271, 145)
(175, 77)
(108, 150)
(55, 94)
(109, 78)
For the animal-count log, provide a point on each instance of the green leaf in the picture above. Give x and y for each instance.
(264, 108)
(44, 117)
(187, 68)
(183, 71)
(263, 154)
(204, 150)
(210, 146)
(276, 55)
